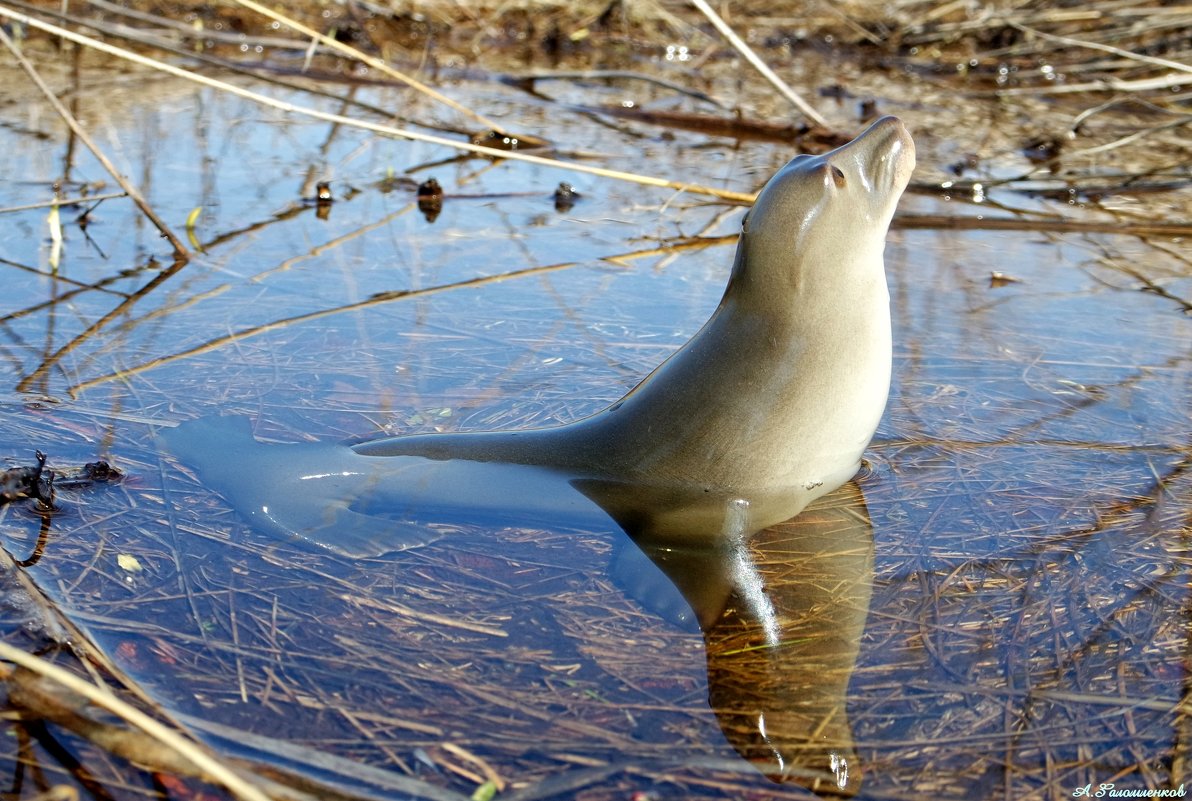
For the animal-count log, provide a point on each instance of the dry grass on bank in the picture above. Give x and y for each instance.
(1115, 40)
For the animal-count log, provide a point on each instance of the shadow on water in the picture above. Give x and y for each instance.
(1004, 614)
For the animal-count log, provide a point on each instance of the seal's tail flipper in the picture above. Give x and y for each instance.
(303, 491)
(356, 535)
(206, 441)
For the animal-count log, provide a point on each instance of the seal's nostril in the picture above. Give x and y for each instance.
(838, 177)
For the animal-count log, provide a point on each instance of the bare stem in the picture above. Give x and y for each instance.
(385, 130)
(752, 57)
(1117, 51)
(364, 58)
(180, 251)
(170, 738)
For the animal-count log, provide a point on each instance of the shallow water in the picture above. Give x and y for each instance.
(1024, 629)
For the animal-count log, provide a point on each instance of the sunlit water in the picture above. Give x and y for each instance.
(1028, 491)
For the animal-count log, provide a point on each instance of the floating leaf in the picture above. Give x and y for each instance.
(191, 220)
(485, 792)
(129, 563)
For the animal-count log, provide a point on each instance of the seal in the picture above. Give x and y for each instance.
(768, 406)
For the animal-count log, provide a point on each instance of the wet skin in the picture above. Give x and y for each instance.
(769, 406)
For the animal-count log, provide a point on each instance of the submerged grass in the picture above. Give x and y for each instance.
(1096, 678)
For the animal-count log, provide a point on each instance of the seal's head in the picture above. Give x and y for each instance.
(831, 211)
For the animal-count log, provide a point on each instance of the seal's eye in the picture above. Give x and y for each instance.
(838, 177)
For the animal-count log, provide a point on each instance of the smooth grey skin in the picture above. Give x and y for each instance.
(769, 406)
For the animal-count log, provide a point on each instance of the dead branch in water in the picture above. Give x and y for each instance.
(181, 254)
(964, 222)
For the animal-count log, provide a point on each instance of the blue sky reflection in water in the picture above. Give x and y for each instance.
(1029, 492)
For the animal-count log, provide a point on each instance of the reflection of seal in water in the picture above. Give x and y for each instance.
(782, 617)
(768, 407)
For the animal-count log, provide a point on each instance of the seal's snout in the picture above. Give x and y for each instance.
(884, 154)
(900, 145)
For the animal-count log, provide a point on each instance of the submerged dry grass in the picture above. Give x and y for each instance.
(1106, 81)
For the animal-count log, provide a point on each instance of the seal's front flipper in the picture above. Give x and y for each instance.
(640, 577)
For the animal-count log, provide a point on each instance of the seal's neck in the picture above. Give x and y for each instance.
(817, 279)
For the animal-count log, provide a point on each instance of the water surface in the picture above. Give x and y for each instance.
(1020, 627)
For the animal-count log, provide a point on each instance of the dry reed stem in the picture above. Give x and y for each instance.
(371, 61)
(142, 36)
(1133, 137)
(1106, 84)
(102, 697)
(326, 763)
(26, 383)
(39, 698)
(57, 278)
(188, 29)
(60, 793)
(181, 254)
(386, 130)
(1117, 51)
(962, 222)
(761, 66)
(70, 201)
(427, 617)
(237, 336)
